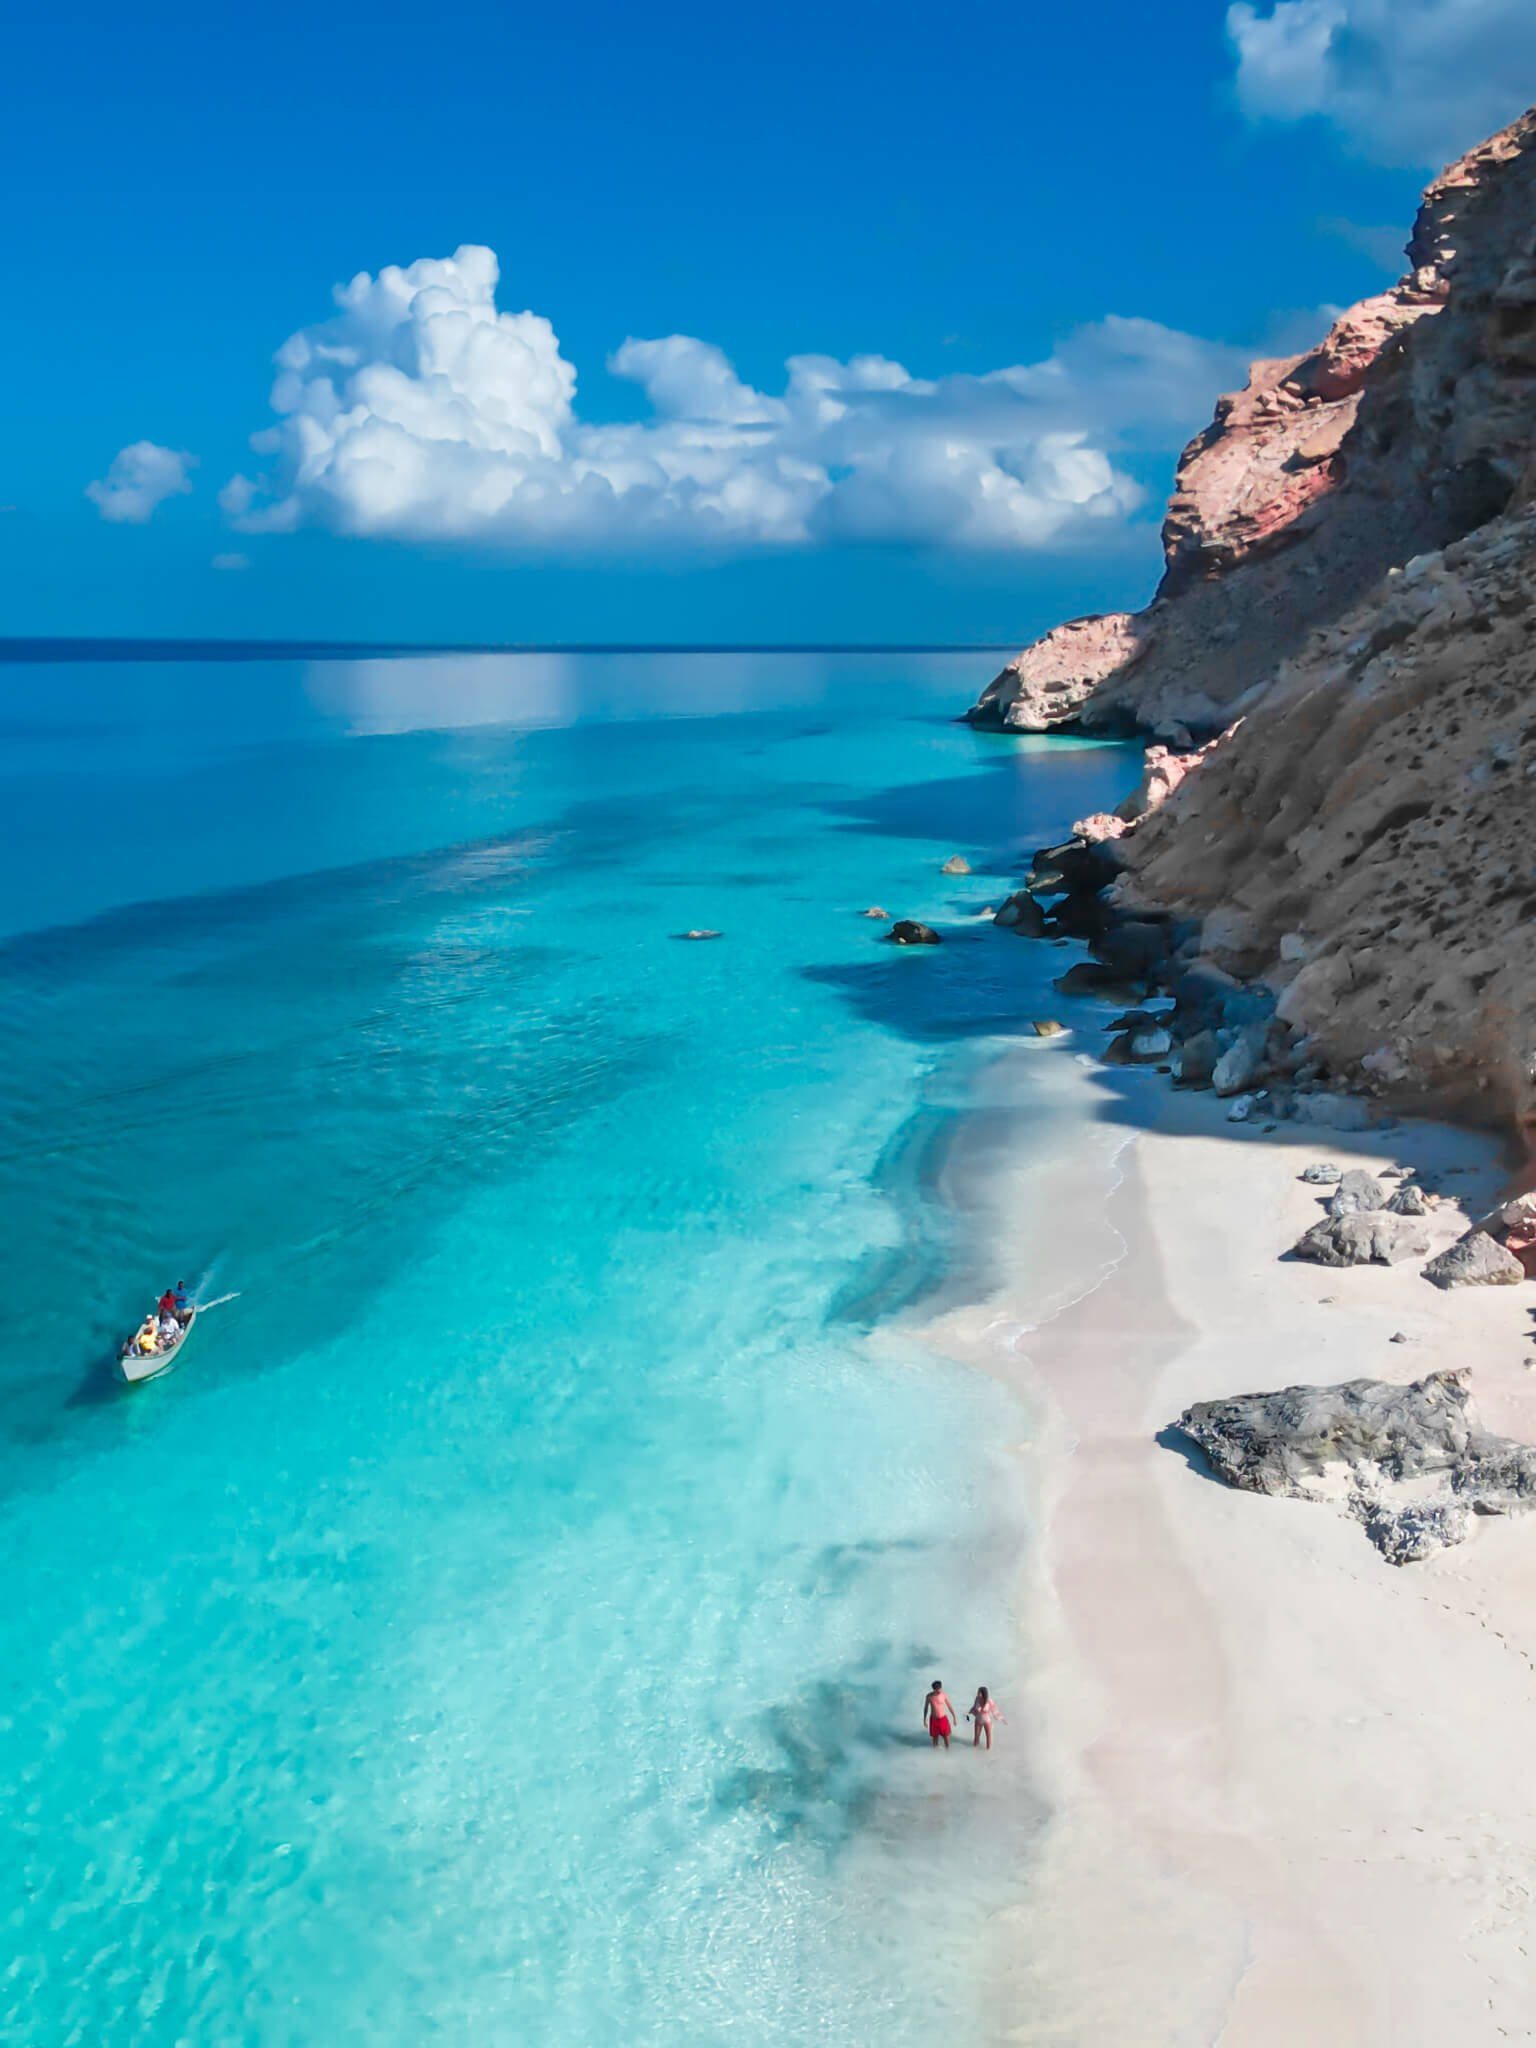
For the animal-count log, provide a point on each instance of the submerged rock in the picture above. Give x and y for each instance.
(906, 931)
(956, 865)
(1410, 1463)
(1476, 1260)
(699, 934)
(874, 910)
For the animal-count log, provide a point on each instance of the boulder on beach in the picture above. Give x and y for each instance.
(906, 931)
(1321, 1175)
(1410, 1463)
(956, 865)
(1357, 1190)
(1409, 1200)
(1476, 1260)
(1362, 1238)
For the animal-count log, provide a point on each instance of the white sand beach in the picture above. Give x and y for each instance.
(1288, 1781)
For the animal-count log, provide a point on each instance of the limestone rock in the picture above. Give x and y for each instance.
(1409, 1200)
(1410, 1462)
(1362, 1239)
(957, 864)
(874, 910)
(1321, 1175)
(1357, 1190)
(1047, 1027)
(1476, 1260)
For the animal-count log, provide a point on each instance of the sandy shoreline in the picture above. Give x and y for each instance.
(1287, 1779)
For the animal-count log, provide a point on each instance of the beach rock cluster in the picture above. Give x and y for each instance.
(1410, 1463)
(1335, 836)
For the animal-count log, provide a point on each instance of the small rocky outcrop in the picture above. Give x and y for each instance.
(875, 911)
(1362, 1238)
(906, 931)
(1476, 1260)
(957, 864)
(1021, 913)
(1411, 1463)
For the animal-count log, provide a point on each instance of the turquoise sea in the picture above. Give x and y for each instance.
(510, 1622)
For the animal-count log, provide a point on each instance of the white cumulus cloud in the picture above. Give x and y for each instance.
(1403, 81)
(418, 410)
(141, 477)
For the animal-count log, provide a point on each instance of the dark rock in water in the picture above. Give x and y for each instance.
(1081, 866)
(1321, 1175)
(1476, 1260)
(1080, 917)
(1022, 914)
(1409, 1200)
(1389, 1443)
(1139, 1020)
(956, 865)
(1357, 1190)
(1047, 1027)
(874, 910)
(1090, 978)
(1137, 949)
(1365, 1238)
(906, 931)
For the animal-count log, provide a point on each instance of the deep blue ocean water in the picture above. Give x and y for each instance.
(510, 1622)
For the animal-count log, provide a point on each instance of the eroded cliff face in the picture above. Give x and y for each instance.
(1406, 428)
(1349, 608)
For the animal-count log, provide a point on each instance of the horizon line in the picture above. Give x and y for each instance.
(105, 647)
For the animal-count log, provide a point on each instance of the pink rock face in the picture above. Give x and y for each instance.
(1407, 426)
(1045, 685)
(1099, 826)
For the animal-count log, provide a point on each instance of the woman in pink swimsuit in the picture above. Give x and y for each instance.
(983, 1711)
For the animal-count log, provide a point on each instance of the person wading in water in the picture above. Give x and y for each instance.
(984, 1711)
(938, 1714)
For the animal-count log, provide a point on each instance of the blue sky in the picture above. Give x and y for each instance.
(1014, 252)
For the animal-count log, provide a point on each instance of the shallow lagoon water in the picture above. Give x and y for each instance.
(511, 1620)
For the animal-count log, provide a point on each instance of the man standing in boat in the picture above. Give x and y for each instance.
(168, 1305)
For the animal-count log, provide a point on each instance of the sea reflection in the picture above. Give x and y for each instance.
(448, 692)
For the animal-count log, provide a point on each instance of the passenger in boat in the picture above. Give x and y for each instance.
(182, 1301)
(170, 1330)
(166, 1305)
(147, 1339)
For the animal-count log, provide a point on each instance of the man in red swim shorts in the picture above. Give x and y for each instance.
(938, 1714)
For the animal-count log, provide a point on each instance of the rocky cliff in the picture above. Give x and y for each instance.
(1408, 426)
(1347, 607)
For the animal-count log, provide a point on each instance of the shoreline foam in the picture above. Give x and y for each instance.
(1284, 1778)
